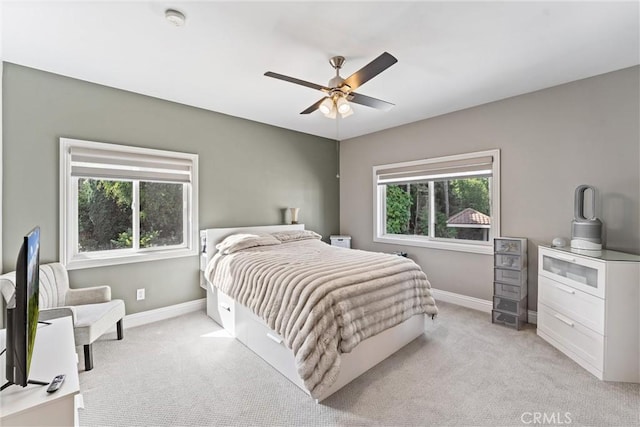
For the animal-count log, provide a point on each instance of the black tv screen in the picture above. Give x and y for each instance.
(23, 310)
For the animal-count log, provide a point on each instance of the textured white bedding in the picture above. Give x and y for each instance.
(321, 299)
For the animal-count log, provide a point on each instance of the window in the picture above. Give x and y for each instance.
(124, 204)
(445, 203)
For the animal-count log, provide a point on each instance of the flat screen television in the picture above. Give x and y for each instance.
(22, 313)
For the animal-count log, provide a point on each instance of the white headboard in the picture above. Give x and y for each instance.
(210, 237)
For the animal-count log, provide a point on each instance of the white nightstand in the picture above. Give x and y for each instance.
(341, 241)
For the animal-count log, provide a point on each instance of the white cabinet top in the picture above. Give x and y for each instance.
(54, 353)
(604, 255)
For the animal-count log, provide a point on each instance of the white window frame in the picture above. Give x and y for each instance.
(69, 255)
(480, 247)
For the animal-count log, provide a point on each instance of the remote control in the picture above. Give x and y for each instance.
(56, 383)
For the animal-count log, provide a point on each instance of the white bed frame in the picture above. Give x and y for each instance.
(253, 332)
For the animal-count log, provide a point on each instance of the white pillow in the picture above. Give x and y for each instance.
(237, 242)
(295, 235)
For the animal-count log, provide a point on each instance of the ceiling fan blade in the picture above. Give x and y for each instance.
(296, 81)
(370, 70)
(314, 107)
(356, 98)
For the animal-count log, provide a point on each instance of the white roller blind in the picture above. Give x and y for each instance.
(119, 164)
(419, 171)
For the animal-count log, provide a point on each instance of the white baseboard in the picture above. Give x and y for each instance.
(463, 300)
(473, 303)
(162, 313)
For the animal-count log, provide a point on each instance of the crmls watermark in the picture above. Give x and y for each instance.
(546, 418)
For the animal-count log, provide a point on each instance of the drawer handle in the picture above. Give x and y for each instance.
(274, 338)
(564, 320)
(226, 307)
(565, 289)
(565, 258)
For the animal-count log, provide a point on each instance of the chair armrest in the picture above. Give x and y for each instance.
(8, 285)
(94, 295)
(54, 313)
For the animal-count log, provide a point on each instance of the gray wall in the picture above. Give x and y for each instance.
(248, 172)
(584, 132)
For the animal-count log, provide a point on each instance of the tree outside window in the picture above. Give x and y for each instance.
(106, 217)
(408, 208)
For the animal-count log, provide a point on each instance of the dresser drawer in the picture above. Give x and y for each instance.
(585, 274)
(271, 347)
(584, 308)
(514, 262)
(571, 337)
(516, 292)
(510, 277)
(509, 246)
(221, 308)
(507, 319)
(510, 306)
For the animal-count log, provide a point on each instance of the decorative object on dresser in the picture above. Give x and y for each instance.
(559, 242)
(586, 232)
(294, 215)
(341, 241)
(510, 282)
(588, 308)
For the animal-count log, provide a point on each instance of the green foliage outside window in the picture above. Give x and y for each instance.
(161, 219)
(104, 211)
(105, 216)
(398, 213)
(471, 193)
(408, 207)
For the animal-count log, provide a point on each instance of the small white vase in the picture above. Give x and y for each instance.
(294, 215)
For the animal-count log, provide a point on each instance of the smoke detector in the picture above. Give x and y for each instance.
(176, 17)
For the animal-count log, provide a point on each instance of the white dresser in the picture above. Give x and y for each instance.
(588, 308)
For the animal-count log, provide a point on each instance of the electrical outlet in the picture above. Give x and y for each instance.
(140, 294)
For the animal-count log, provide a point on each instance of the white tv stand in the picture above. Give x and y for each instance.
(54, 353)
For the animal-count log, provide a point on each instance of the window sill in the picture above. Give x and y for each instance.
(102, 260)
(485, 248)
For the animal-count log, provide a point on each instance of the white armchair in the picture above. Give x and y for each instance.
(92, 309)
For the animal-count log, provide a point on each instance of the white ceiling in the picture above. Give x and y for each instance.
(451, 55)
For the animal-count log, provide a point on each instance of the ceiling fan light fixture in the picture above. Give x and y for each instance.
(333, 112)
(332, 115)
(326, 106)
(347, 113)
(343, 106)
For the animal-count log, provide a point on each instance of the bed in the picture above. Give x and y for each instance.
(318, 314)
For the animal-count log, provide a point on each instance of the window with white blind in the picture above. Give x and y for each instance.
(123, 204)
(448, 202)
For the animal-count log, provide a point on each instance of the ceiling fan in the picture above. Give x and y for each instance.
(339, 92)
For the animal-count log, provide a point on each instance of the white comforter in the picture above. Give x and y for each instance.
(321, 299)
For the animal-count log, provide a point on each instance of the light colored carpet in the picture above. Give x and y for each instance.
(463, 371)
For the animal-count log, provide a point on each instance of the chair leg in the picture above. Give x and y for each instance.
(88, 357)
(119, 329)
